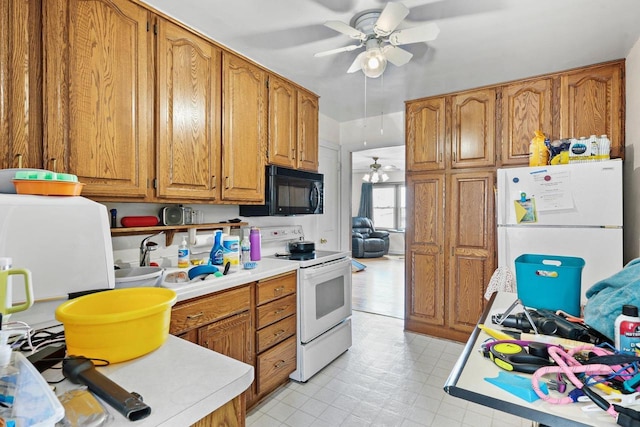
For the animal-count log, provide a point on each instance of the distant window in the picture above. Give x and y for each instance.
(389, 206)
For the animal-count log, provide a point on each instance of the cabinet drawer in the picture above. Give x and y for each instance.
(273, 334)
(275, 365)
(271, 289)
(190, 314)
(275, 310)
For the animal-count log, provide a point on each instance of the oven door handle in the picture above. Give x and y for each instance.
(326, 268)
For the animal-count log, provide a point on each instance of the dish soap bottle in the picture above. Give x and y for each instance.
(627, 330)
(216, 256)
(183, 254)
(8, 372)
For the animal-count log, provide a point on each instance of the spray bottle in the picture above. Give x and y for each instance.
(8, 372)
(216, 257)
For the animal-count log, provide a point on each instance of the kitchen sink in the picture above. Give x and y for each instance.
(178, 280)
(138, 276)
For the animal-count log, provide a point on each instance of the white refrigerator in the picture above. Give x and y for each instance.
(567, 210)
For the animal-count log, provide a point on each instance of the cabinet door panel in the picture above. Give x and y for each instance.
(231, 337)
(244, 130)
(307, 157)
(97, 94)
(425, 269)
(591, 104)
(425, 135)
(188, 115)
(471, 237)
(282, 123)
(526, 108)
(473, 129)
(20, 84)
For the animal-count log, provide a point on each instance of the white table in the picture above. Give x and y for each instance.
(467, 381)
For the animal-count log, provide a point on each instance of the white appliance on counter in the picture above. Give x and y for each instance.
(64, 241)
(567, 210)
(324, 300)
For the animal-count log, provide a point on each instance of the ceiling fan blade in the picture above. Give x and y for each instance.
(423, 33)
(391, 16)
(397, 56)
(356, 65)
(338, 50)
(343, 28)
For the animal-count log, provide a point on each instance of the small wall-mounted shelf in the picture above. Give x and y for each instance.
(170, 230)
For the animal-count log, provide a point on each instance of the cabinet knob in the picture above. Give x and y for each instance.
(226, 182)
(280, 364)
(214, 183)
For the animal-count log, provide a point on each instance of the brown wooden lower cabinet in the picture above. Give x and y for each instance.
(255, 323)
(231, 414)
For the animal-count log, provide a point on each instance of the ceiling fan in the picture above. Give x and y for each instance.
(376, 31)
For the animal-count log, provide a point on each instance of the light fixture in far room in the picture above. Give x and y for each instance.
(376, 174)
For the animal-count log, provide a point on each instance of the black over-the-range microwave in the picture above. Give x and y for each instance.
(289, 192)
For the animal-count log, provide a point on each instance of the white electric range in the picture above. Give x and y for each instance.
(324, 299)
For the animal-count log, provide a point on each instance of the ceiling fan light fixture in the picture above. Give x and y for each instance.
(373, 63)
(376, 174)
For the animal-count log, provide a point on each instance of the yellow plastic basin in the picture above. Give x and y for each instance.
(117, 325)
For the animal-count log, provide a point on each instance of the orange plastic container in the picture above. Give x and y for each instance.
(117, 325)
(47, 187)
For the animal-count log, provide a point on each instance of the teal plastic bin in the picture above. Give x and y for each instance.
(549, 282)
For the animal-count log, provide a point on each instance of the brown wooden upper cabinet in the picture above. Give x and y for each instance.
(591, 103)
(293, 126)
(20, 87)
(425, 133)
(526, 108)
(97, 94)
(188, 116)
(473, 128)
(244, 129)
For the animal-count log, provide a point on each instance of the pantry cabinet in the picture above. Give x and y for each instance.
(450, 251)
(98, 95)
(244, 129)
(293, 126)
(592, 103)
(188, 115)
(526, 108)
(20, 84)
(451, 146)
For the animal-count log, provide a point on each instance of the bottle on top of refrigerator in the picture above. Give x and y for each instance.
(183, 254)
(627, 330)
(216, 257)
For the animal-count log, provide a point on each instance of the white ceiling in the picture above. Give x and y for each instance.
(481, 42)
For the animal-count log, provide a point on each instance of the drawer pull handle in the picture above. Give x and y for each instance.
(278, 290)
(280, 332)
(195, 316)
(280, 364)
(280, 310)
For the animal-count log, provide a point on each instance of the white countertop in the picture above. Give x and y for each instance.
(181, 382)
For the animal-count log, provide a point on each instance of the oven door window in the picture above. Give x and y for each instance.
(329, 297)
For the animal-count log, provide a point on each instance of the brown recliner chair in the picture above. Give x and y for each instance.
(366, 242)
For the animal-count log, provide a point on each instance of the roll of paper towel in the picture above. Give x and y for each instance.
(201, 241)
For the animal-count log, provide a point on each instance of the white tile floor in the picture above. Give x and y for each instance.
(388, 378)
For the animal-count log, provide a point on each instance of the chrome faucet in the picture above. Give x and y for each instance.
(145, 249)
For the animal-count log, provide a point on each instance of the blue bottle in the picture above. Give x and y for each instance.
(216, 256)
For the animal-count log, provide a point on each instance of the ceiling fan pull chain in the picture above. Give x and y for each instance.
(382, 105)
(364, 128)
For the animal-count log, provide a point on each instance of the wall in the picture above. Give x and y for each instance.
(126, 250)
(631, 165)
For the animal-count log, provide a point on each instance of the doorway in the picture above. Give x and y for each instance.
(379, 287)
